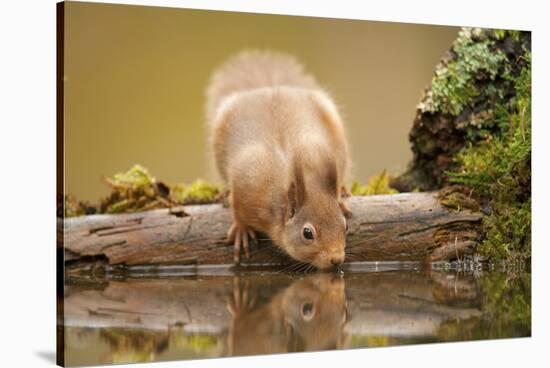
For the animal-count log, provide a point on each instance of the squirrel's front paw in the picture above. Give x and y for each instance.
(240, 236)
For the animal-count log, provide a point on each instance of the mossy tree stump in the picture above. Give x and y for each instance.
(461, 106)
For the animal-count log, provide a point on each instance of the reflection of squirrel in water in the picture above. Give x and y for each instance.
(308, 315)
(280, 145)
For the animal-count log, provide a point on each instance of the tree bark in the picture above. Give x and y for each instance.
(401, 227)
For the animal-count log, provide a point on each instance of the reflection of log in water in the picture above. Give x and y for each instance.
(409, 304)
(401, 303)
(408, 226)
(146, 319)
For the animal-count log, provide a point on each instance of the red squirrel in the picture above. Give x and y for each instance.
(280, 146)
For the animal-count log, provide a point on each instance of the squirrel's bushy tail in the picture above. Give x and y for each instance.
(254, 69)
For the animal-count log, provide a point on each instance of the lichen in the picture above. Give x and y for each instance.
(499, 170)
(454, 85)
(377, 184)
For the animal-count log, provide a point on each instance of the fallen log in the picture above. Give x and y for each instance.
(400, 227)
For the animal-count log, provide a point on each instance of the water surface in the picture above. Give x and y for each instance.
(186, 315)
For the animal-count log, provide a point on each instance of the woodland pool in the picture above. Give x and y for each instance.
(174, 314)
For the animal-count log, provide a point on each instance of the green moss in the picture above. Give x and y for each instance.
(378, 184)
(137, 190)
(499, 170)
(458, 198)
(133, 190)
(136, 177)
(508, 232)
(72, 207)
(501, 34)
(454, 85)
(198, 192)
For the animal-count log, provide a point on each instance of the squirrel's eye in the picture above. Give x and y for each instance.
(307, 309)
(308, 233)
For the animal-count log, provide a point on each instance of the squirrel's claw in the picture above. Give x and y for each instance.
(240, 237)
(231, 233)
(237, 248)
(245, 244)
(252, 236)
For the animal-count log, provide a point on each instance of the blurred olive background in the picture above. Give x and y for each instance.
(135, 78)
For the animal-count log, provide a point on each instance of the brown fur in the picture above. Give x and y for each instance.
(280, 145)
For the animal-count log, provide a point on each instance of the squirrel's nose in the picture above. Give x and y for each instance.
(337, 261)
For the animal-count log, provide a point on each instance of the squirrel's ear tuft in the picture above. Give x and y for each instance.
(331, 178)
(292, 200)
(300, 185)
(297, 190)
(345, 209)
